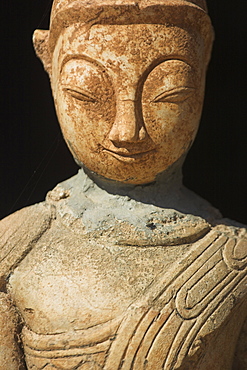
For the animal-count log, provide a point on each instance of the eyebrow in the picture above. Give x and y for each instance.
(81, 57)
(177, 58)
(164, 59)
(102, 67)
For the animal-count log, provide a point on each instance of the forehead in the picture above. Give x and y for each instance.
(126, 47)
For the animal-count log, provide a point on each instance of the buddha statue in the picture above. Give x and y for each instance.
(122, 267)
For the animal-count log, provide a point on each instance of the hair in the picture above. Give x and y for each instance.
(188, 14)
(184, 13)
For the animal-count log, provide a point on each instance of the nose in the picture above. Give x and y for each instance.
(127, 127)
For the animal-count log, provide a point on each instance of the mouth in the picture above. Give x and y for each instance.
(127, 157)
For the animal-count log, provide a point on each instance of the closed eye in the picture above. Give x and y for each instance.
(176, 95)
(80, 94)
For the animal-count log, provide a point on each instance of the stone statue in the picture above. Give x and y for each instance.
(122, 267)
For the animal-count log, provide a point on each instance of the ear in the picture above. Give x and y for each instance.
(41, 46)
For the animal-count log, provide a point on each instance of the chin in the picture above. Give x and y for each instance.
(129, 176)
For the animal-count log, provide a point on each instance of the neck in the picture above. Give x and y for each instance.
(162, 192)
(166, 195)
(160, 213)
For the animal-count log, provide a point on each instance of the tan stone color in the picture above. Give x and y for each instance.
(94, 304)
(122, 267)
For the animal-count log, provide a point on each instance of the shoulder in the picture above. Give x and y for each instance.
(19, 232)
(235, 256)
(235, 249)
(232, 227)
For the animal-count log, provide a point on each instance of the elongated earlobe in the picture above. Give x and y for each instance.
(41, 46)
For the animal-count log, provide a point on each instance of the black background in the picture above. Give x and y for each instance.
(34, 157)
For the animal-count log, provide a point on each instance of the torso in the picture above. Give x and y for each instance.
(74, 293)
(134, 287)
(70, 284)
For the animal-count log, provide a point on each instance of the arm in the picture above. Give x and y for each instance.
(240, 359)
(19, 233)
(10, 355)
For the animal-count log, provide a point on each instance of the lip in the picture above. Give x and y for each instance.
(127, 157)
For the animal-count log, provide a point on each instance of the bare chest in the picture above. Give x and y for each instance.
(70, 284)
(79, 296)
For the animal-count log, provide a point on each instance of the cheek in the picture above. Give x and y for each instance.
(166, 122)
(84, 123)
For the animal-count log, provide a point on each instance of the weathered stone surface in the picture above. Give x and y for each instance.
(10, 354)
(122, 267)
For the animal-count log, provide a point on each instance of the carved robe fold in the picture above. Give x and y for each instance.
(181, 316)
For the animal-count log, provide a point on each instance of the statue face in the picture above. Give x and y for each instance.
(128, 97)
